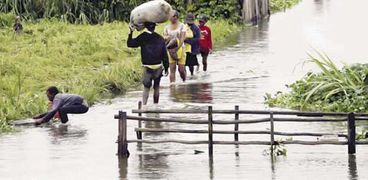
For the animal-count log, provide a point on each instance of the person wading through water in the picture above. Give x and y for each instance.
(174, 35)
(63, 104)
(192, 40)
(154, 59)
(205, 41)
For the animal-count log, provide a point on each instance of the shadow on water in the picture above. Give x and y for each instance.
(196, 92)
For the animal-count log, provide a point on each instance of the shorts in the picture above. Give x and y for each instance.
(150, 75)
(191, 60)
(181, 57)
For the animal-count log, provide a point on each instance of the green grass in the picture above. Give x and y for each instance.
(280, 5)
(333, 89)
(89, 60)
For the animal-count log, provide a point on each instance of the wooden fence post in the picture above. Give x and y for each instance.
(122, 138)
(236, 125)
(210, 131)
(139, 133)
(272, 132)
(351, 134)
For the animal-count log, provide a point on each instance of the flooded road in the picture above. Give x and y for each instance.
(264, 59)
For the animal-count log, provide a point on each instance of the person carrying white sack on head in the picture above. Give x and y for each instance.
(156, 11)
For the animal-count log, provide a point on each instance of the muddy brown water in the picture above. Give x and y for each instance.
(264, 59)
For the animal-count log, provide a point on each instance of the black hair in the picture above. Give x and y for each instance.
(53, 90)
(176, 14)
(150, 26)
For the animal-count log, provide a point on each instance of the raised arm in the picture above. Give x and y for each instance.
(134, 42)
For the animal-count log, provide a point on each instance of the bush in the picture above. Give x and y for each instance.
(337, 90)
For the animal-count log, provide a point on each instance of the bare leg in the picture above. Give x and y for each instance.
(204, 62)
(146, 92)
(156, 91)
(183, 72)
(172, 73)
(191, 69)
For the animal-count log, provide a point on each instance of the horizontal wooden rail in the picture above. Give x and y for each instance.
(241, 142)
(361, 119)
(236, 121)
(255, 112)
(362, 142)
(155, 130)
(175, 120)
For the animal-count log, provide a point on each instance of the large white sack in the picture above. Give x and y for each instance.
(156, 11)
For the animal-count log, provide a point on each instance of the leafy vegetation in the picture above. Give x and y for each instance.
(362, 135)
(279, 5)
(98, 11)
(91, 60)
(278, 149)
(334, 89)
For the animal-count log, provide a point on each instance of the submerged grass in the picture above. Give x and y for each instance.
(333, 89)
(89, 60)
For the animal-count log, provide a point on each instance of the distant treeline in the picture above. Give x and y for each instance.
(98, 11)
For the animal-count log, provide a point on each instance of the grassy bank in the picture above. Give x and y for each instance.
(280, 5)
(89, 60)
(333, 89)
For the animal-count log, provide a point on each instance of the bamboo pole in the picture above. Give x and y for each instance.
(236, 126)
(255, 112)
(361, 142)
(155, 130)
(210, 133)
(242, 142)
(237, 121)
(168, 120)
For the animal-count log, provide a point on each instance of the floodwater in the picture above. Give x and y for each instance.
(264, 59)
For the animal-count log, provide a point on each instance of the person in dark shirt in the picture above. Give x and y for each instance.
(63, 104)
(193, 42)
(18, 27)
(154, 59)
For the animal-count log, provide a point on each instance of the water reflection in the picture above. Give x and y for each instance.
(123, 168)
(273, 172)
(195, 92)
(153, 125)
(210, 164)
(353, 172)
(154, 165)
(59, 133)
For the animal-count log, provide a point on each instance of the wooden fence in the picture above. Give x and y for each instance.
(287, 116)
